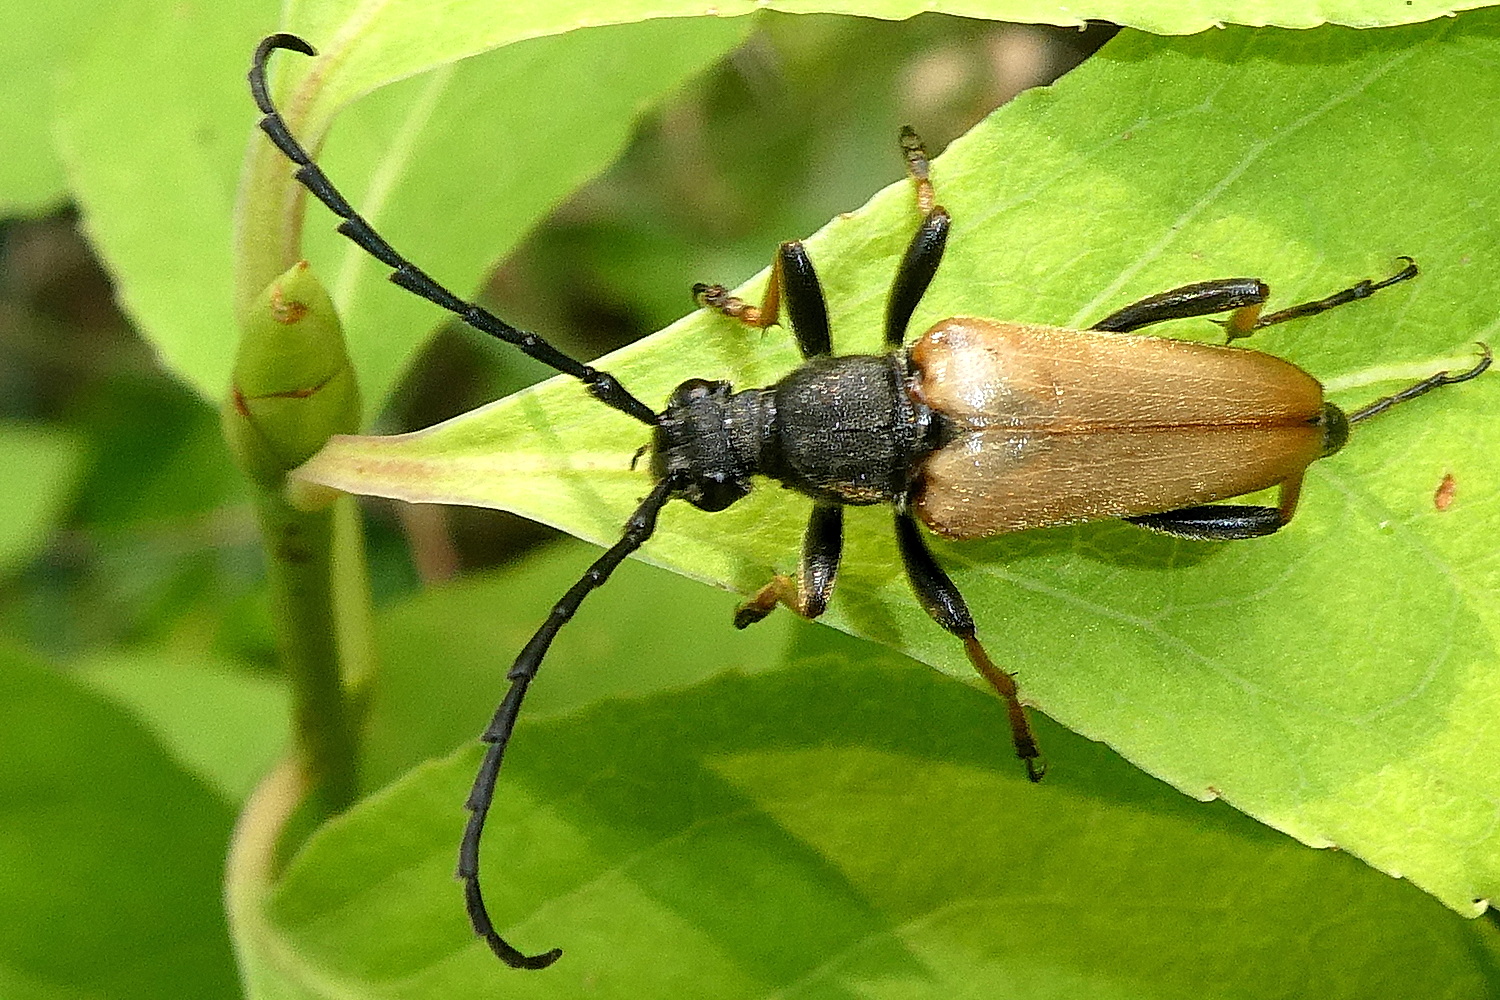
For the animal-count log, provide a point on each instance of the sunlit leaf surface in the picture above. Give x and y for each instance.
(1336, 680)
(838, 821)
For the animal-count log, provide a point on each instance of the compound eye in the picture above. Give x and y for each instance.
(695, 389)
(716, 494)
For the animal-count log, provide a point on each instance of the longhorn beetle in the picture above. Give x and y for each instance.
(981, 427)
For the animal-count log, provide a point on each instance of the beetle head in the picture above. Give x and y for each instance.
(708, 437)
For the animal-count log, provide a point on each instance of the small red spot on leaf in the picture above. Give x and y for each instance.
(1442, 499)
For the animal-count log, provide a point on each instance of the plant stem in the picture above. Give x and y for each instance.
(299, 550)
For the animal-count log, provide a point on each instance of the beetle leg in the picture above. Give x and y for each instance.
(822, 546)
(1423, 387)
(923, 255)
(915, 154)
(792, 276)
(925, 251)
(1246, 296)
(1291, 490)
(940, 598)
(717, 297)
(1203, 298)
(1225, 522)
(1213, 522)
(1238, 326)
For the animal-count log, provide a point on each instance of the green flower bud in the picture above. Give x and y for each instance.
(293, 385)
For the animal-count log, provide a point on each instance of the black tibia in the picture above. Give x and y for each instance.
(1203, 298)
(792, 277)
(822, 547)
(805, 305)
(923, 255)
(1423, 387)
(940, 598)
(601, 385)
(1229, 522)
(639, 528)
(1214, 522)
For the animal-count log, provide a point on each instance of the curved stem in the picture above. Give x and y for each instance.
(299, 552)
(249, 872)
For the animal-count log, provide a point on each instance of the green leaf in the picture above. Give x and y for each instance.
(380, 41)
(157, 455)
(31, 50)
(463, 162)
(152, 120)
(159, 150)
(219, 722)
(444, 652)
(1333, 681)
(42, 467)
(110, 853)
(844, 824)
(430, 144)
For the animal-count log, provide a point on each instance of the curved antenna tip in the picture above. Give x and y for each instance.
(258, 89)
(541, 961)
(285, 40)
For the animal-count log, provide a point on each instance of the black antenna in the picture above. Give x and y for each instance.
(601, 385)
(639, 528)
